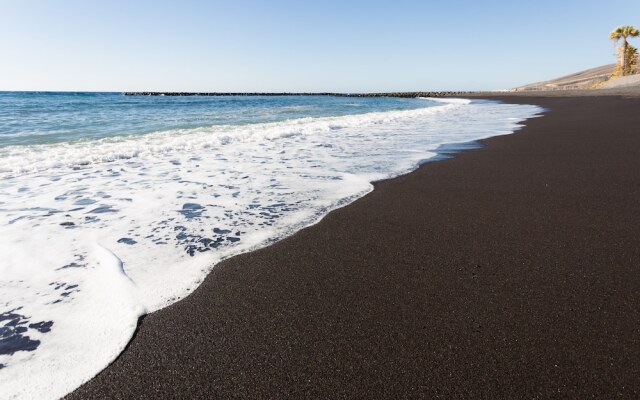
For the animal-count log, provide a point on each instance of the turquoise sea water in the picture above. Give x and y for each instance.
(53, 117)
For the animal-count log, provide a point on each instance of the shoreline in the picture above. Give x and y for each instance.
(321, 313)
(402, 154)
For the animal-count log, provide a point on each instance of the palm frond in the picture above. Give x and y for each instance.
(624, 31)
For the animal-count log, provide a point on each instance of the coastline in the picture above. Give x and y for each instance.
(504, 272)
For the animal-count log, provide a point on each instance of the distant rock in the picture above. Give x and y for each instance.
(386, 94)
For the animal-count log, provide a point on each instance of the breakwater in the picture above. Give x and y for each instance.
(387, 94)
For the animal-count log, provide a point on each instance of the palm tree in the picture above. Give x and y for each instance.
(623, 32)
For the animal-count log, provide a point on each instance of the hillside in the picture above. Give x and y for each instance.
(622, 82)
(579, 80)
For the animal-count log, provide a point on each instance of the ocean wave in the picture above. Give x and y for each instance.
(16, 160)
(447, 100)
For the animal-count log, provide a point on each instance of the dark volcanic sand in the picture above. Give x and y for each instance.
(507, 272)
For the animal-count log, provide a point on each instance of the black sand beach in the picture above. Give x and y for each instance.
(506, 272)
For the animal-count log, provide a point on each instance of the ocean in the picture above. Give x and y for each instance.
(114, 206)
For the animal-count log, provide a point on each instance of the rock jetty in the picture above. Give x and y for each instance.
(389, 94)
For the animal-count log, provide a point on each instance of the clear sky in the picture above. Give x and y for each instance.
(298, 45)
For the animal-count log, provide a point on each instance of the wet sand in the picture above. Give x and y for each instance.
(511, 271)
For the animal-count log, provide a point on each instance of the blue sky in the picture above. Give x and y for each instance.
(346, 46)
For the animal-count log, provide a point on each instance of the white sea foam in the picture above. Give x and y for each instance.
(94, 234)
(447, 100)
